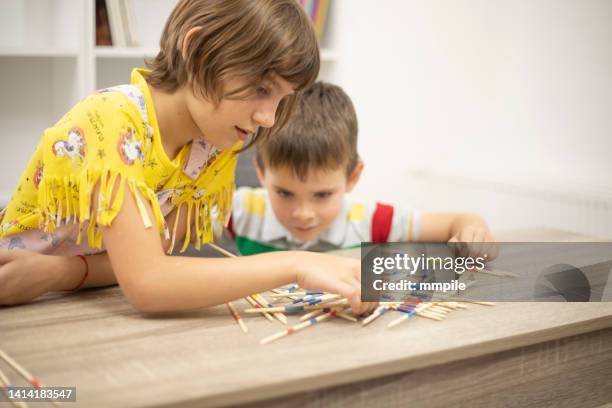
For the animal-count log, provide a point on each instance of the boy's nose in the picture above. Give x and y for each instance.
(303, 214)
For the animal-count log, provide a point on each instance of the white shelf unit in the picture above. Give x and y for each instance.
(49, 61)
(327, 55)
(45, 66)
(125, 52)
(53, 52)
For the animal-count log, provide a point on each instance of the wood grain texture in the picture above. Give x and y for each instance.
(570, 372)
(96, 341)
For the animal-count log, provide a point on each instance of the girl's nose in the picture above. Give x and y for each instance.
(265, 115)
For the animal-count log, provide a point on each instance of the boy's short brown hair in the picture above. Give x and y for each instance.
(321, 134)
(250, 39)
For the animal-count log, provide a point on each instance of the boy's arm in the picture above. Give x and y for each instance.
(445, 226)
(459, 228)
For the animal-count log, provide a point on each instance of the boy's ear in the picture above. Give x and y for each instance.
(259, 171)
(187, 40)
(353, 178)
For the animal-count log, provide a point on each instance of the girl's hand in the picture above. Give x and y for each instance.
(25, 275)
(334, 274)
(474, 241)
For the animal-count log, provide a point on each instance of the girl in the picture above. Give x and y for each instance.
(129, 172)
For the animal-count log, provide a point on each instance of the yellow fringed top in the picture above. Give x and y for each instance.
(113, 137)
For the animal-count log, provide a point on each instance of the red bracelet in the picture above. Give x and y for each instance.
(84, 276)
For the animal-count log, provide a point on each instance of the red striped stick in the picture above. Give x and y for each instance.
(237, 317)
(298, 327)
(22, 371)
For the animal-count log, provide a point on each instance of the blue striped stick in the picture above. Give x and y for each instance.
(377, 313)
(308, 297)
(287, 309)
(421, 307)
(263, 302)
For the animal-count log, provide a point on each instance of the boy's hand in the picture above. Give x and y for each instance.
(333, 274)
(474, 241)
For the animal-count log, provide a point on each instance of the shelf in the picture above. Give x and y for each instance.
(125, 52)
(327, 55)
(35, 52)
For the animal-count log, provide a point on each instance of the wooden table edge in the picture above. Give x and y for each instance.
(396, 366)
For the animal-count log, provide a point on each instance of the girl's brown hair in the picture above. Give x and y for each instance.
(250, 39)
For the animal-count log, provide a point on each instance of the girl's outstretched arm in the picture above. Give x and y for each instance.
(155, 282)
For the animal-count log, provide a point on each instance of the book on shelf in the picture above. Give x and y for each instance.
(317, 10)
(121, 21)
(103, 31)
(129, 22)
(116, 23)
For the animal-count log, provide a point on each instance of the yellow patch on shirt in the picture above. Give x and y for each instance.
(254, 204)
(357, 212)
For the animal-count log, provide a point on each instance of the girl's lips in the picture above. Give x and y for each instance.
(242, 134)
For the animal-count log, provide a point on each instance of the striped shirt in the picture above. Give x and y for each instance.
(256, 229)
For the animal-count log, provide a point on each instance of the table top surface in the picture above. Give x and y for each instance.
(96, 341)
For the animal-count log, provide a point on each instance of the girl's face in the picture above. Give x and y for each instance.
(237, 118)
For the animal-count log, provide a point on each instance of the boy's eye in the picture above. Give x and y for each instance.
(284, 193)
(323, 194)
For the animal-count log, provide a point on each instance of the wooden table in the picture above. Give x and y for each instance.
(513, 354)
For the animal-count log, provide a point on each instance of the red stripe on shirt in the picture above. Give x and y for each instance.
(381, 222)
(230, 227)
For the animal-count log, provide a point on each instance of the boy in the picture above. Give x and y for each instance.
(307, 169)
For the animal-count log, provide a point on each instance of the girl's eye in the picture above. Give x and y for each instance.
(262, 91)
(323, 194)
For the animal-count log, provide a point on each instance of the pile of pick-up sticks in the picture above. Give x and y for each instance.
(6, 385)
(321, 306)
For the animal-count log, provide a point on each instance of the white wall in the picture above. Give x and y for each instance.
(498, 107)
(516, 91)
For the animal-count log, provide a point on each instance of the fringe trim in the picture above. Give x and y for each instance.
(201, 214)
(69, 200)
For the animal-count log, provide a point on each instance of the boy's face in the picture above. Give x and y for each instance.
(306, 208)
(235, 119)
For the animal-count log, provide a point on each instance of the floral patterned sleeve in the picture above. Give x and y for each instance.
(112, 140)
(101, 142)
